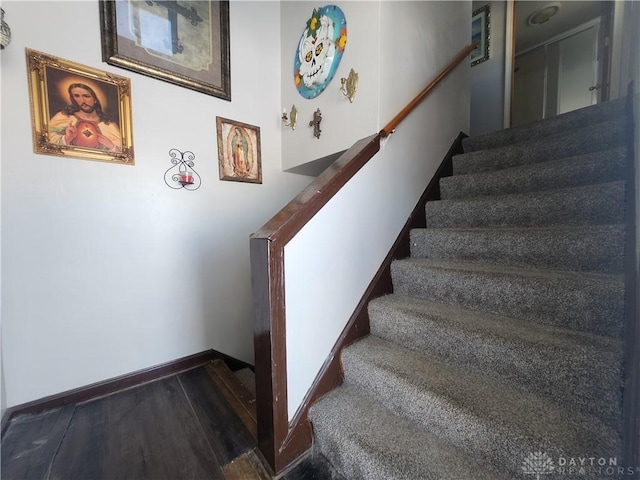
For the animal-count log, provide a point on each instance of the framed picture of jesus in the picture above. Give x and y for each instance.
(79, 111)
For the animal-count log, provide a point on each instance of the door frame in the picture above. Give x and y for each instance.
(509, 59)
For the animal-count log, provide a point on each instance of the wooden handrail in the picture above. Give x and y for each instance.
(290, 220)
(391, 126)
(280, 442)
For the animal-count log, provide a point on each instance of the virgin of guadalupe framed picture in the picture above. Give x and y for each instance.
(238, 151)
(480, 32)
(78, 111)
(184, 42)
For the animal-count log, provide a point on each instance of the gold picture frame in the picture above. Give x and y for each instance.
(239, 156)
(99, 128)
(182, 42)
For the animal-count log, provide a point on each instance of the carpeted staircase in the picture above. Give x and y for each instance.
(499, 355)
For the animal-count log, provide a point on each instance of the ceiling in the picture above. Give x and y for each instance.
(570, 15)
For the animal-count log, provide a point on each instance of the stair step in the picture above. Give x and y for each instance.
(588, 302)
(589, 205)
(248, 379)
(239, 397)
(581, 248)
(582, 371)
(542, 128)
(481, 416)
(366, 441)
(594, 138)
(590, 168)
(503, 338)
(247, 466)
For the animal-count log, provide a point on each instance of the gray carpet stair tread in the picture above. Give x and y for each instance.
(587, 205)
(368, 442)
(594, 138)
(580, 170)
(478, 414)
(578, 248)
(591, 302)
(565, 122)
(582, 371)
(503, 338)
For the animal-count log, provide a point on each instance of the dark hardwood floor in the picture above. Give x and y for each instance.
(196, 424)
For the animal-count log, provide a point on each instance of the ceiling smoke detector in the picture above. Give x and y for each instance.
(543, 14)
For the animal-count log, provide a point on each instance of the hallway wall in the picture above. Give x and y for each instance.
(487, 78)
(106, 270)
(342, 122)
(338, 252)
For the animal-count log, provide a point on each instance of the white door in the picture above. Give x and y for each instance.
(556, 77)
(578, 70)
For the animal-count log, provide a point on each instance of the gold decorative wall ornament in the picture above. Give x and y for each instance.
(349, 85)
(289, 120)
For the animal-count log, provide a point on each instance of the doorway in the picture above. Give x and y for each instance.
(561, 56)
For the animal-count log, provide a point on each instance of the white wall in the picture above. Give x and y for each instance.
(631, 70)
(337, 253)
(106, 270)
(625, 67)
(3, 390)
(342, 122)
(487, 78)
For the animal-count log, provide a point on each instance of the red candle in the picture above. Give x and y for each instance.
(186, 176)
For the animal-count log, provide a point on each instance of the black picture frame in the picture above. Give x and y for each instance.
(182, 42)
(481, 32)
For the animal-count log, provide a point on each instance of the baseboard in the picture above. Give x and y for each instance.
(299, 438)
(106, 387)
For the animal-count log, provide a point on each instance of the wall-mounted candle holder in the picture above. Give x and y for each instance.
(289, 120)
(349, 85)
(182, 173)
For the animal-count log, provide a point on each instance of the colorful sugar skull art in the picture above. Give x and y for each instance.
(320, 50)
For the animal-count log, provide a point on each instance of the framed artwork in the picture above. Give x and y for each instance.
(78, 111)
(480, 32)
(238, 151)
(319, 50)
(182, 42)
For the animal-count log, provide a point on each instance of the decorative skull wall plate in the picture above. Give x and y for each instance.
(320, 50)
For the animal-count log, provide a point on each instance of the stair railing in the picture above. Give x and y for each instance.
(279, 442)
(391, 126)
